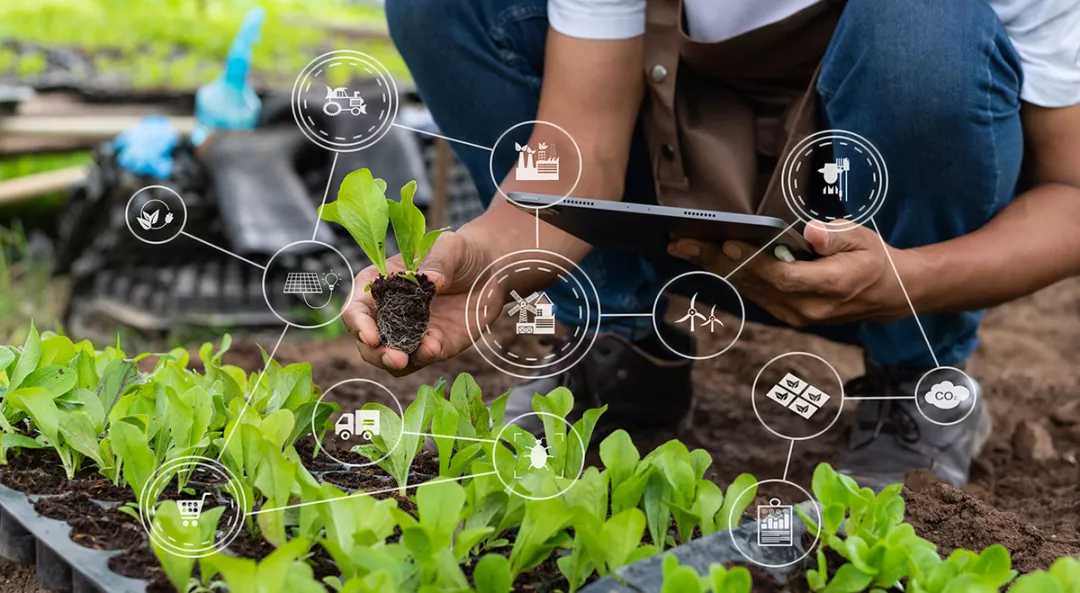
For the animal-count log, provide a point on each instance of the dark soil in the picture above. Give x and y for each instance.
(403, 310)
(138, 562)
(952, 519)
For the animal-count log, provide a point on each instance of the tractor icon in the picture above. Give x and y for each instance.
(339, 99)
(365, 422)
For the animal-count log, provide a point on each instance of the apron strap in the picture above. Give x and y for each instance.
(663, 35)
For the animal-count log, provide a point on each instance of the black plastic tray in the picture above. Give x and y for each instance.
(62, 565)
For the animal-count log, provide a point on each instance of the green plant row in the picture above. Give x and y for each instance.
(485, 522)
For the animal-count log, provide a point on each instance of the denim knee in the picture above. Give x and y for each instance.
(419, 27)
(924, 60)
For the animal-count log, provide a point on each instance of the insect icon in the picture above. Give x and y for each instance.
(538, 455)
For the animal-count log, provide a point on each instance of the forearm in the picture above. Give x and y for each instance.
(1032, 243)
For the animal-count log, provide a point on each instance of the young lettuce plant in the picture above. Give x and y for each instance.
(403, 298)
(684, 579)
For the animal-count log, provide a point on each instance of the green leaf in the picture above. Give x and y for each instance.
(848, 579)
(621, 535)
(994, 566)
(129, 444)
(439, 508)
(492, 574)
(1038, 582)
(29, 357)
(620, 456)
(740, 493)
(679, 579)
(168, 523)
(361, 208)
(409, 226)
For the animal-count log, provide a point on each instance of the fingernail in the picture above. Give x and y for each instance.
(386, 362)
(732, 251)
(689, 249)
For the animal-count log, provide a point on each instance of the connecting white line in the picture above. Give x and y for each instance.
(903, 289)
(626, 314)
(222, 249)
(448, 436)
(247, 401)
(787, 464)
(538, 228)
(326, 193)
(880, 397)
(447, 138)
(366, 493)
(758, 252)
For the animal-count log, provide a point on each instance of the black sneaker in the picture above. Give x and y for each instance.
(891, 436)
(643, 387)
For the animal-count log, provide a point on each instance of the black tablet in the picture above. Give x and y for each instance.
(645, 228)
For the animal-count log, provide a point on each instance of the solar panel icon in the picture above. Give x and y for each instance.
(303, 283)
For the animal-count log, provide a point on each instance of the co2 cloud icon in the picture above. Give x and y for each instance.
(947, 396)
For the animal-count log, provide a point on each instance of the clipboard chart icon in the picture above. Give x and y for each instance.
(774, 524)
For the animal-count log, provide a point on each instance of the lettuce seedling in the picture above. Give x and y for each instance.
(684, 579)
(410, 429)
(402, 299)
(281, 571)
(1063, 577)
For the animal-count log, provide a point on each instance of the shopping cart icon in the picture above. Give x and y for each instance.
(190, 510)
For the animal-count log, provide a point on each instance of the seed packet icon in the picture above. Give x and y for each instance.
(780, 395)
(815, 396)
(803, 408)
(793, 383)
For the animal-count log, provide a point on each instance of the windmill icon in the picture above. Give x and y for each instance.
(541, 308)
(692, 314)
(712, 321)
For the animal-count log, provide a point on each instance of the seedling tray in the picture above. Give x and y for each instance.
(646, 576)
(62, 565)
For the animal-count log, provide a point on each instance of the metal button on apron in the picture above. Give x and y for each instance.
(659, 73)
(669, 151)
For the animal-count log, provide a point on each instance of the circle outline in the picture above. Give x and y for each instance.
(548, 364)
(498, 439)
(348, 298)
(834, 134)
(394, 100)
(233, 487)
(660, 294)
(401, 414)
(483, 275)
(183, 210)
(498, 185)
(809, 497)
(839, 409)
(971, 385)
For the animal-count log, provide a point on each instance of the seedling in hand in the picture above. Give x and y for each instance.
(402, 299)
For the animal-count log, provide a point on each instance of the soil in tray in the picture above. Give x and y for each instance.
(138, 562)
(92, 524)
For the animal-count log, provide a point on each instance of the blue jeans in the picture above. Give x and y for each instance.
(934, 85)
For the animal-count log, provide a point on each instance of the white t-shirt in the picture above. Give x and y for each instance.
(1046, 33)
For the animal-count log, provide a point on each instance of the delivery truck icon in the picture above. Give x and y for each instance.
(363, 422)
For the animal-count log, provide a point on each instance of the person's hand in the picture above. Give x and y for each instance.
(852, 280)
(453, 265)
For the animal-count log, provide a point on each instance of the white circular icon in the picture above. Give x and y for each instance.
(700, 316)
(305, 291)
(156, 214)
(199, 486)
(835, 180)
(546, 160)
(782, 388)
(345, 100)
(946, 395)
(524, 340)
(534, 459)
(361, 425)
(775, 525)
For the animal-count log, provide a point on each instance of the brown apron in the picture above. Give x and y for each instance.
(718, 116)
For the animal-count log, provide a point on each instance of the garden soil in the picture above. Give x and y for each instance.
(1023, 495)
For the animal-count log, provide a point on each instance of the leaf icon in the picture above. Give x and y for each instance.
(154, 217)
(144, 223)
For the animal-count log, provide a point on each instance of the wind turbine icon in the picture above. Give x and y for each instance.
(692, 313)
(712, 320)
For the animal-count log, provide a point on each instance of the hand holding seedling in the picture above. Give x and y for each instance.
(399, 327)
(852, 279)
